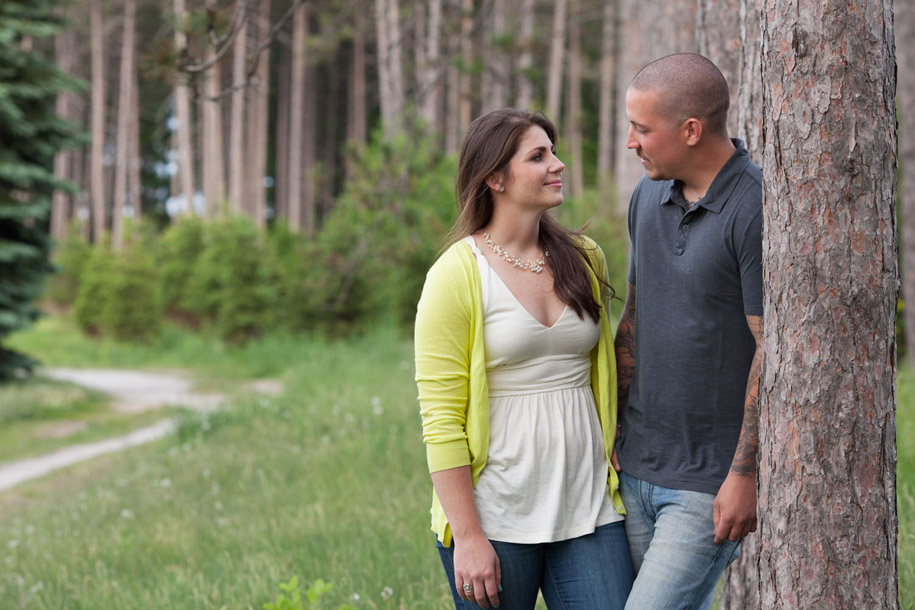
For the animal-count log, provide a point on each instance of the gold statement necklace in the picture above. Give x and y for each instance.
(519, 263)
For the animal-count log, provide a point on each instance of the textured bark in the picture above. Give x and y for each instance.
(718, 37)
(525, 97)
(213, 172)
(572, 137)
(237, 121)
(296, 123)
(97, 123)
(125, 109)
(65, 56)
(905, 50)
(648, 30)
(741, 581)
(557, 52)
(827, 493)
(185, 150)
(606, 134)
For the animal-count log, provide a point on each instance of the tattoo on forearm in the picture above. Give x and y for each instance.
(625, 348)
(744, 462)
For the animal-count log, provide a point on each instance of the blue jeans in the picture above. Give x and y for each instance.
(671, 536)
(584, 573)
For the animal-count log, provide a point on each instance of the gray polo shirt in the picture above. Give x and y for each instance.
(698, 274)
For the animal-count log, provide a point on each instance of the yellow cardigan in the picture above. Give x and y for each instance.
(451, 371)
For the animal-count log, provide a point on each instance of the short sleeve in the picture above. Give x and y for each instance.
(750, 259)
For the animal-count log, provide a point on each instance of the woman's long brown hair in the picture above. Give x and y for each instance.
(490, 143)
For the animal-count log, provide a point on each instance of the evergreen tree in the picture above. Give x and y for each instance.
(30, 134)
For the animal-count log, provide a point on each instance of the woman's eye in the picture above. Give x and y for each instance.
(537, 157)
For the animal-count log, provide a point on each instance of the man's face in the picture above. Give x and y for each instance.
(653, 137)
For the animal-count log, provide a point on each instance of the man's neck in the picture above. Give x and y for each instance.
(712, 158)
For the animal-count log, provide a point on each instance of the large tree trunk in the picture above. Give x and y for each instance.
(97, 123)
(256, 199)
(905, 49)
(573, 107)
(648, 30)
(212, 167)
(185, 124)
(557, 50)
(125, 109)
(741, 581)
(827, 489)
(65, 53)
(296, 123)
(525, 96)
(718, 38)
(237, 123)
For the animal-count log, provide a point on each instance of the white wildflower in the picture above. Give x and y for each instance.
(387, 592)
(126, 513)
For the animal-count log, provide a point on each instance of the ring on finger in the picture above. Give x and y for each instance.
(468, 588)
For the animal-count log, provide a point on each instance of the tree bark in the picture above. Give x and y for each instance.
(213, 171)
(258, 124)
(606, 134)
(134, 191)
(453, 133)
(827, 491)
(648, 30)
(296, 123)
(557, 49)
(525, 97)
(465, 113)
(356, 129)
(65, 53)
(283, 91)
(125, 109)
(390, 72)
(905, 49)
(573, 104)
(496, 73)
(431, 78)
(310, 152)
(237, 122)
(185, 149)
(97, 123)
(718, 30)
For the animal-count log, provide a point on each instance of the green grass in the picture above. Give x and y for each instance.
(33, 412)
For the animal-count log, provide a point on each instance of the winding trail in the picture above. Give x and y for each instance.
(133, 392)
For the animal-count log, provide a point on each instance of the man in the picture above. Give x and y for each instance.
(688, 342)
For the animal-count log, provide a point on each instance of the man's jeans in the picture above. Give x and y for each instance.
(671, 536)
(584, 573)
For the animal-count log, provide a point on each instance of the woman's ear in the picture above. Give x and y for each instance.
(494, 181)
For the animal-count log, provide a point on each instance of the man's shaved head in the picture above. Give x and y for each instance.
(687, 85)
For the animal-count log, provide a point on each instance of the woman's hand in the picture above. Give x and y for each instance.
(476, 564)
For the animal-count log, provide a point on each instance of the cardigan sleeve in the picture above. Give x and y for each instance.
(442, 351)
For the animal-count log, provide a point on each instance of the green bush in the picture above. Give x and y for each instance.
(93, 290)
(177, 251)
(69, 260)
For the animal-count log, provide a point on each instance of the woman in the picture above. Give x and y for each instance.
(517, 386)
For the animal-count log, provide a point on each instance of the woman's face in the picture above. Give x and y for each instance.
(533, 177)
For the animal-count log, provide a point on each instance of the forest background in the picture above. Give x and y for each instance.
(243, 172)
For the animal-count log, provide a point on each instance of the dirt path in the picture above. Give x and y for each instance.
(133, 392)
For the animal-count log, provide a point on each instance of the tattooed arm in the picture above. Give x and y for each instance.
(735, 504)
(624, 344)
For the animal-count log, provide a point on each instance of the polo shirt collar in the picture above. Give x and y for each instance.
(723, 185)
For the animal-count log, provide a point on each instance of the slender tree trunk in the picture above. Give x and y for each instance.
(357, 131)
(134, 191)
(648, 30)
(465, 112)
(573, 102)
(827, 489)
(905, 49)
(606, 116)
(718, 29)
(185, 123)
(329, 149)
(212, 167)
(125, 109)
(309, 151)
(431, 78)
(258, 124)
(281, 189)
(97, 123)
(65, 52)
(390, 72)
(237, 150)
(557, 49)
(453, 131)
(496, 72)
(296, 123)
(525, 90)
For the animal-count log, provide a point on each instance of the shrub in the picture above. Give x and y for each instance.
(93, 290)
(69, 260)
(177, 252)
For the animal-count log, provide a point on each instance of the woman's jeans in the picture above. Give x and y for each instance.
(671, 536)
(586, 573)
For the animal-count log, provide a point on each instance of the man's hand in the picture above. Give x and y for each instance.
(735, 508)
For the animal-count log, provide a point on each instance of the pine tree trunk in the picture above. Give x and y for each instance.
(453, 133)
(496, 73)
(296, 108)
(356, 130)
(281, 189)
(309, 152)
(97, 123)
(465, 111)
(525, 97)
(905, 49)
(65, 54)
(185, 124)
(718, 38)
(212, 168)
(390, 72)
(648, 30)
(237, 122)
(431, 78)
(134, 195)
(557, 49)
(573, 107)
(827, 490)
(125, 109)
(257, 124)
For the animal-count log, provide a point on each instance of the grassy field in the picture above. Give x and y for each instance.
(325, 481)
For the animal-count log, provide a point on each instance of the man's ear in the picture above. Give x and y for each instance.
(691, 131)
